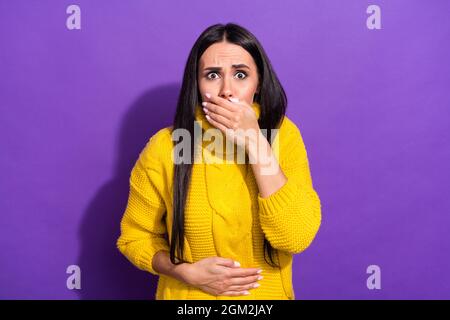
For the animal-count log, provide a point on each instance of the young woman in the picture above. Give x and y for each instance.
(208, 226)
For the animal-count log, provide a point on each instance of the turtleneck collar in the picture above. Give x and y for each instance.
(204, 123)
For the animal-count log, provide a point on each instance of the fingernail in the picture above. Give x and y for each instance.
(237, 264)
(206, 110)
(234, 100)
(208, 95)
(260, 277)
(204, 103)
(259, 271)
(246, 293)
(256, 285)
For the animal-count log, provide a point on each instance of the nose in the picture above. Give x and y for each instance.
(226, 91)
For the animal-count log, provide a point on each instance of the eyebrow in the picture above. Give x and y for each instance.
(235, 66)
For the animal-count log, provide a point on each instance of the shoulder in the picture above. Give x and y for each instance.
(162, 136)
(158, 147)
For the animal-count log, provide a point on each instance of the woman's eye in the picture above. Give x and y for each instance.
(240, 72)
(216, 76)
(208, 75)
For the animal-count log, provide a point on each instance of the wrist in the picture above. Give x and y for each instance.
(182, 272)
(257, 146)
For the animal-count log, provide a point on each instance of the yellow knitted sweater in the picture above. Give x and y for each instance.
(224, 216)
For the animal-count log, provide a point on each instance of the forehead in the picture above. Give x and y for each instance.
(225, 54)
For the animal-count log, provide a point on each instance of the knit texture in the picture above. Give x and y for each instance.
(224, 215)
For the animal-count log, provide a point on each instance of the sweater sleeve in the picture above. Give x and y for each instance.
(291, 216)
(143, 227)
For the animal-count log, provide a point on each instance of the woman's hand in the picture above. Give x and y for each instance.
(220, 276)
(236, 119)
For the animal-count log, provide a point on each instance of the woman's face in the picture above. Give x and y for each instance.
(229, 71)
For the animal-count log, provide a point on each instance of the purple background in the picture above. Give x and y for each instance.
(77, 106)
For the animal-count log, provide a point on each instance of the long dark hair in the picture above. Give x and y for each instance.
(271, 98)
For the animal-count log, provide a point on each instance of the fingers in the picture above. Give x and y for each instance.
(235, 293)
(243, 272)
(217, 117)
(237, 286)
(244, 288)
(243, 281)
(223, 102)
(236, 271)
(235, 281)
(227, 262)
(217, 109)
(216, 124)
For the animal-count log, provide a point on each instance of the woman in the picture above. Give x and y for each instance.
(213, 229)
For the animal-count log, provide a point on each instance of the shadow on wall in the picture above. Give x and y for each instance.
(105, 272)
